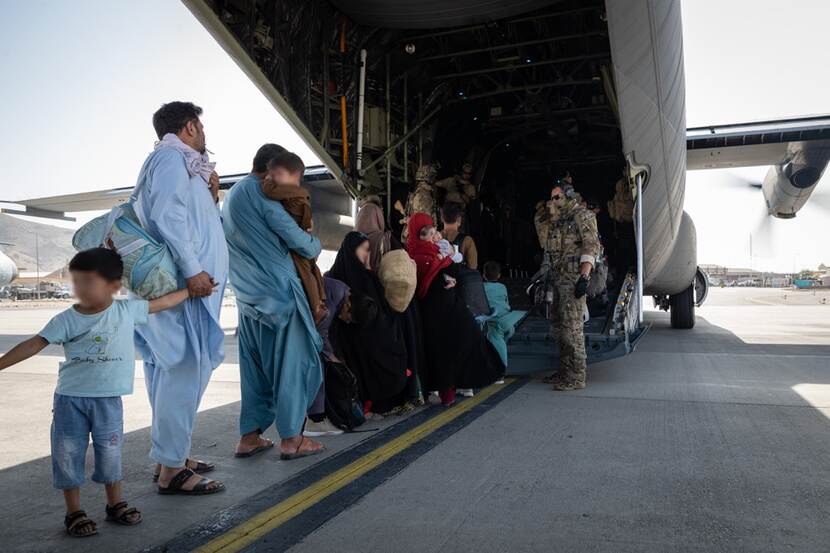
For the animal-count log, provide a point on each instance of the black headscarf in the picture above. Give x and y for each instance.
(348, 268)
(376, 353)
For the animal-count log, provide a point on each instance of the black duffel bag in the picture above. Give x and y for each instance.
(471, 286)
(344, 409)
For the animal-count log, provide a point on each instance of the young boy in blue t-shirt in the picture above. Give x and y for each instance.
(97, 338)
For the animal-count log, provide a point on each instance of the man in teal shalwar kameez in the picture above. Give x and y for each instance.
(279, 345)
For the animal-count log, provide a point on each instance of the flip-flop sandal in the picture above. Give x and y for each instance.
(201, 487)
(76, 521)
(201, 468)
(258, 449)
(120, 513)
(299, 454)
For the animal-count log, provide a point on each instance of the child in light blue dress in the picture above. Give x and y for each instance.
(502, 322)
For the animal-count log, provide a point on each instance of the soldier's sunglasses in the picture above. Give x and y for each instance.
(556, 197)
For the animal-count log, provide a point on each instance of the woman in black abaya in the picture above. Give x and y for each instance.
(458, 355)
(375, 350)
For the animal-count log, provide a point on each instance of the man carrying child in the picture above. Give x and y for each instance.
(282, 183)
(279, 345)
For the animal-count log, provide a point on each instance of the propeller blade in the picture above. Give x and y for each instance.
(731, 180)
(820, 198)
(820, 203)
(764, 234)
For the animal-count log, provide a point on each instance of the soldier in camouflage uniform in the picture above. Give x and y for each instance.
(569, 234)
(460, 188)
(422, 199)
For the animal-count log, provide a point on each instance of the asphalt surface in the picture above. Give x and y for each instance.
(713, 439)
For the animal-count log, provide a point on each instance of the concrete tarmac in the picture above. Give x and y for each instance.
(713, 439)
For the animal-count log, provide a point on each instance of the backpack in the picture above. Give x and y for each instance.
(471, 288)
(344, 408)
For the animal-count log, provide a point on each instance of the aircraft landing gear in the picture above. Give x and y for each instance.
(682, 308)
(682, 305)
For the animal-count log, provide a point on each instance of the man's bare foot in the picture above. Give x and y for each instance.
(168, 473)
(300, 445)
(251, 443)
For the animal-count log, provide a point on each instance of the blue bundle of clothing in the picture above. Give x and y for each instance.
(149, 269)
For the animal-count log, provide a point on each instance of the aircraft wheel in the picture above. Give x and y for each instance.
(682, 308)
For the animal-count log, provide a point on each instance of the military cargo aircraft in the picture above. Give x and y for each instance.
(524, 91)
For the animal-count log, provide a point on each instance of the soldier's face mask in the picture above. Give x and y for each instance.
(553, 209)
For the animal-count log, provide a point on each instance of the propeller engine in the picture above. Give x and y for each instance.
(782, 199)
(788, 186)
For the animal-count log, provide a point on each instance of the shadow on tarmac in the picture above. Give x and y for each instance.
(772, 482)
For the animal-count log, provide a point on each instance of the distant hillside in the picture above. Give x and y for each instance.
(55, 244)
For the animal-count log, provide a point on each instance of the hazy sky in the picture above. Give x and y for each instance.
(82, 79)
(750, 60)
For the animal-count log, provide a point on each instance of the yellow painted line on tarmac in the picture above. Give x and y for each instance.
(258, 526)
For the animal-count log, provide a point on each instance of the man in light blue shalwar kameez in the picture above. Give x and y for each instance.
(175, 199)
(279, 345)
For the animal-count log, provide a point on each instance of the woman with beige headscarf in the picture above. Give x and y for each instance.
(370, 222)
(398, 278)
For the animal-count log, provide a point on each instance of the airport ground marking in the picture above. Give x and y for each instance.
(268, 520)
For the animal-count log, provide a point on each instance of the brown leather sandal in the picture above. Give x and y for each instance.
(77, 522)
(121, 513)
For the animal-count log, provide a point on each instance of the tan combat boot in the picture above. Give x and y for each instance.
(555, 378)
(570, 384)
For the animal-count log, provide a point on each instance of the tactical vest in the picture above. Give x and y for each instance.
(564, 245)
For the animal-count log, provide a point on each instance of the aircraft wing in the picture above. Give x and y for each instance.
(332, 205)
(754, 144)
(56, 207)
(797, 151)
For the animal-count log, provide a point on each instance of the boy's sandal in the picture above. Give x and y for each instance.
(123, 514)
(78, 525)
(200, 468)
(202, 487)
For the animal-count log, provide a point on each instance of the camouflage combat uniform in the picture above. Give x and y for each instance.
(422, 199)
(569, 241)
(460, 190)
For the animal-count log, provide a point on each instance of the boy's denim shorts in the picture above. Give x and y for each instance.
(73, 420)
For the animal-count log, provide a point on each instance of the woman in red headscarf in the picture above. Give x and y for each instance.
(457, 353)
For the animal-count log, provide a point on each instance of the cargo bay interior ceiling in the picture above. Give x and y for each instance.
(522, 95)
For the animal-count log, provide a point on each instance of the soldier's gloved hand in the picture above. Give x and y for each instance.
(581, 287)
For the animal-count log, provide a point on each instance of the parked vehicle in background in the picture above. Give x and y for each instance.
(62, 293)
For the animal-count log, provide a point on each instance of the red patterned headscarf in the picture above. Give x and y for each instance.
(425, 254)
